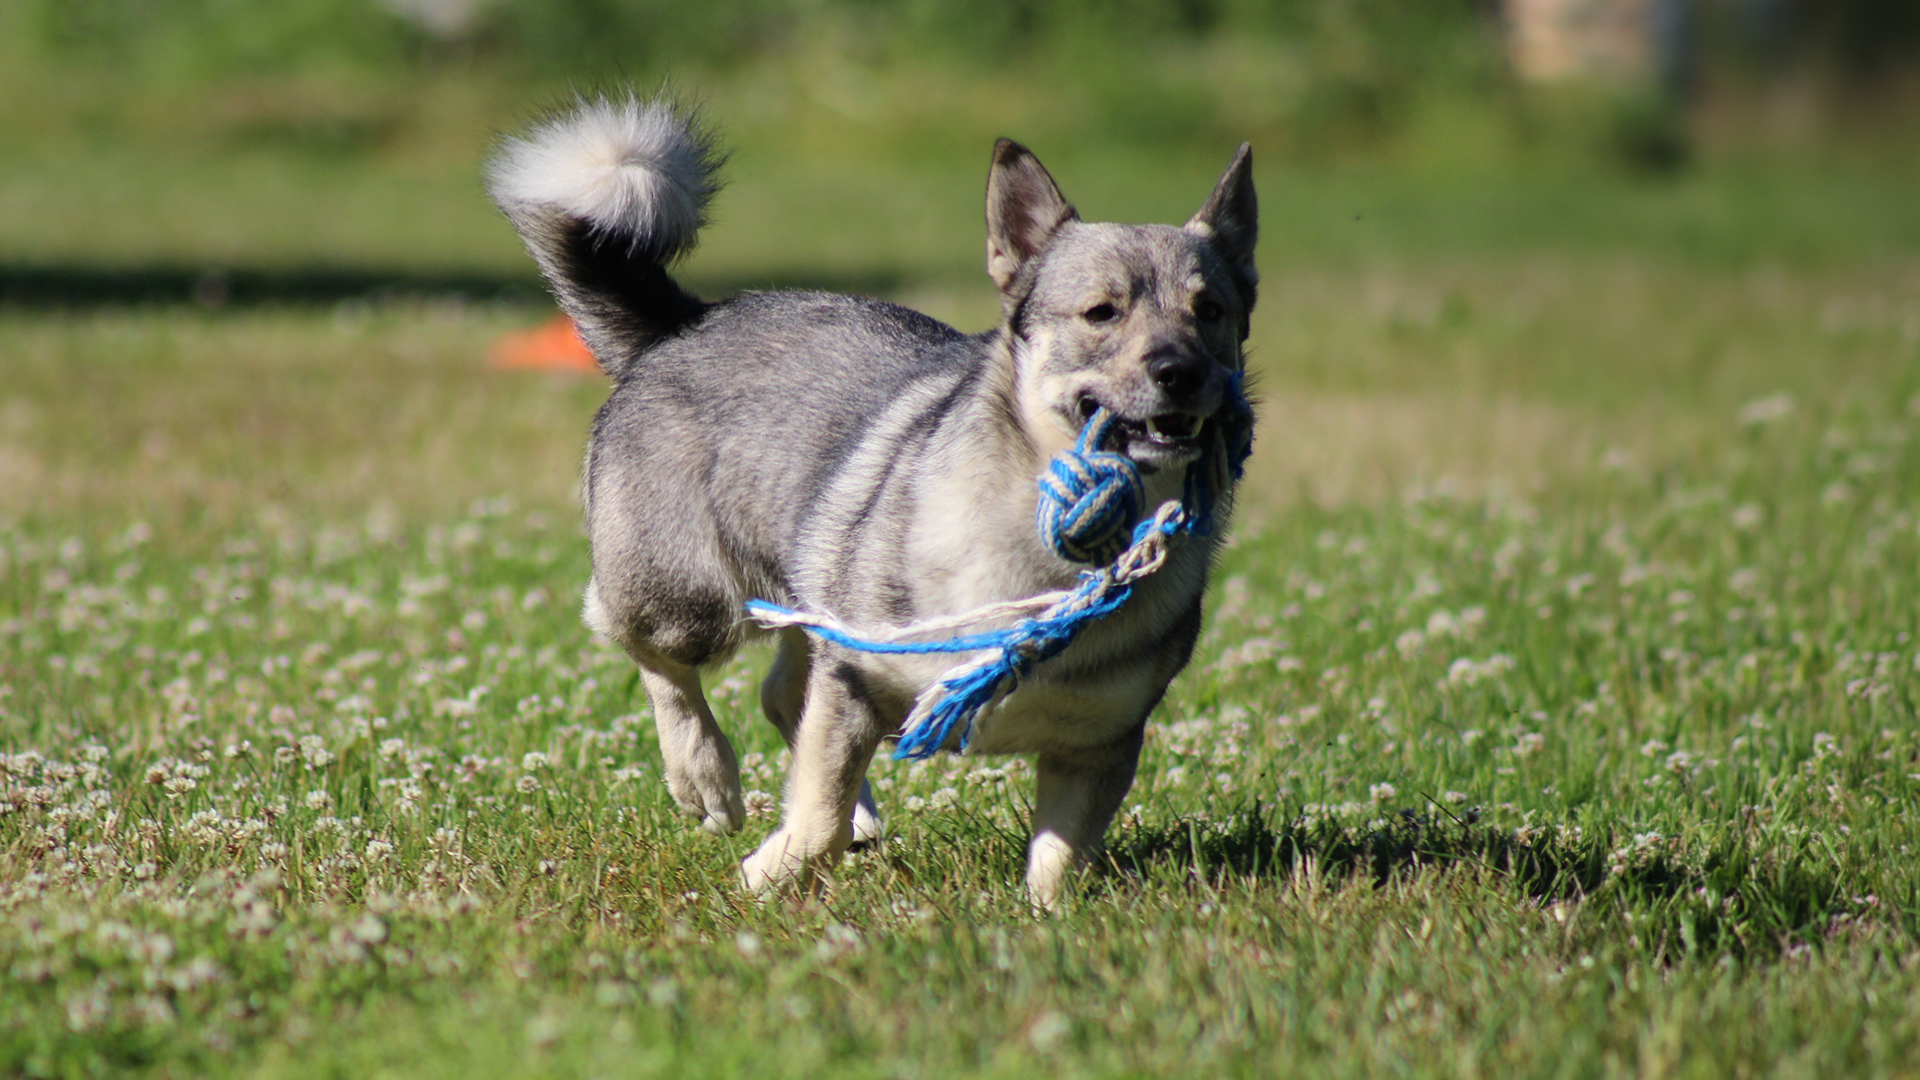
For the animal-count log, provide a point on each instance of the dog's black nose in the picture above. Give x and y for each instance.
(1178, 372)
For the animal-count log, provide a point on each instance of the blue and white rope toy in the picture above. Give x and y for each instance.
(1089, 495)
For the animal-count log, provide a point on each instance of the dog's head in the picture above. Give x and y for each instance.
(1147, 320)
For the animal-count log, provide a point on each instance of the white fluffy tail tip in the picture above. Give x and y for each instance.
(640, 170)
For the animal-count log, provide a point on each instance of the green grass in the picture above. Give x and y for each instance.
(1554, 715)
(1581, 747)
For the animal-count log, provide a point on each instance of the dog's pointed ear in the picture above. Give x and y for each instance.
(1231, 217)
(1024, 208)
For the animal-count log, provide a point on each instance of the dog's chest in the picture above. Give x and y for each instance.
(950, 529)
(1088, 695)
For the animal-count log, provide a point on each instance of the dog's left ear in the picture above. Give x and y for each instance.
(1024, 209)
(1231, 219)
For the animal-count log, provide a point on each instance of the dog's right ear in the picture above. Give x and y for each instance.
(1024, 208)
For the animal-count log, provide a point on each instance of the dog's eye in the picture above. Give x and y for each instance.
(1100, 313)
(1207, 311)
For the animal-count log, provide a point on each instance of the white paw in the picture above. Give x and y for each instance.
(774, 866)
(1051, 864)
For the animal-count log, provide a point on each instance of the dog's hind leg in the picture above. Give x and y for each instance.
(783, 694)
(1078, 794)
(702, 773)
(832, 746)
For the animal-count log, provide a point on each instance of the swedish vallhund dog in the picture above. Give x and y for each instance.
(844, 455)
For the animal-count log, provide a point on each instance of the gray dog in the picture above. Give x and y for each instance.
(843, 455)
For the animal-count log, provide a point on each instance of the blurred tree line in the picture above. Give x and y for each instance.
(1395, 40)
(1308, 79)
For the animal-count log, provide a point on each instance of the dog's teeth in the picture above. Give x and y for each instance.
(1172, 430)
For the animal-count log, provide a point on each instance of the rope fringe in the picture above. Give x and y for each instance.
(1088, 497)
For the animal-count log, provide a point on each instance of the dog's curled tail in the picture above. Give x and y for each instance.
(605, 195)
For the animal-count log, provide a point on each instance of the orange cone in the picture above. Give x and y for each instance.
(554, 345)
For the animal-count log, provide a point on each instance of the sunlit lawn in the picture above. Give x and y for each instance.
(1555, 715)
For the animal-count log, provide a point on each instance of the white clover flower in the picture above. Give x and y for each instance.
(1247, 653)
(1382, 792)
(838, 940)
(368, 929)
(527, 785)
(534, 760)
(663, 994)
(1766, 410)
(314, 749)
(205, 828)
(318, 800)
(195, 973)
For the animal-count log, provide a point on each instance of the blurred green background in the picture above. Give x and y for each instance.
(245, 258)
(235, 135)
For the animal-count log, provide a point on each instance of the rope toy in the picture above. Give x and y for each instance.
(1089, 495)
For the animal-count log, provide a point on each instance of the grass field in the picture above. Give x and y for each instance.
(1554, 716)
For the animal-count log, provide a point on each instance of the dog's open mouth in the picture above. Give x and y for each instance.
(1155, 441)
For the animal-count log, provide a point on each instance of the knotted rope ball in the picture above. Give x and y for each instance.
(1090, 498)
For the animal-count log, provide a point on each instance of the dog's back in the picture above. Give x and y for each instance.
(718, 441)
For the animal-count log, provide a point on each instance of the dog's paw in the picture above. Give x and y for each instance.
(716, 803)
(1051, 867)
(777, 866)
(867, 827)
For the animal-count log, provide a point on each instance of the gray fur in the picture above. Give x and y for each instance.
(848, 456)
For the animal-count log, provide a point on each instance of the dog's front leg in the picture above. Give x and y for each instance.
(832, 747)
(1078, 794)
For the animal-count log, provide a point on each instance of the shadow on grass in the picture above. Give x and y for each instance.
(1729, 897)
(61, 286)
